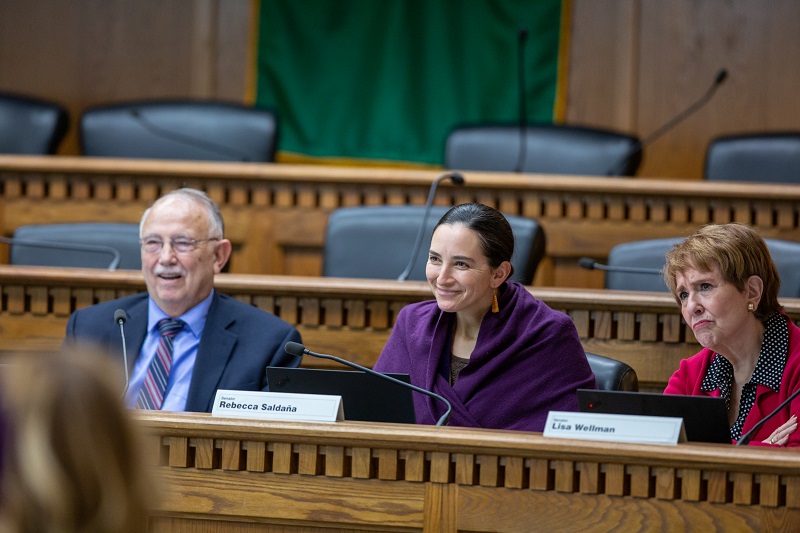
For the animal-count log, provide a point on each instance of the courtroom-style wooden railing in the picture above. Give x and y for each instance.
(276, 213)
(292, 476)
(352, 318)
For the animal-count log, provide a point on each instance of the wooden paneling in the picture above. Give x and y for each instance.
(632, 64)
(352, 318)
(281, 476)
(604, 54)
(87, 52)
(756, 46)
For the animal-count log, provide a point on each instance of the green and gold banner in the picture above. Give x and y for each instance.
(384, 81)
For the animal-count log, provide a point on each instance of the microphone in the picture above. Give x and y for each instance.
(298, 350)
(721, 76)
(120, 317)
(191, 141)
(522, 34)
(457, 179)
(73, 246)
(590, 264)
(749, 435)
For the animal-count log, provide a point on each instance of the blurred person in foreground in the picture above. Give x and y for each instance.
(71, 457)
(726, 283)
(184, 339)
(501, 357)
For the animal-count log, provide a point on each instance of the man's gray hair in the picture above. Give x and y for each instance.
(217, 225)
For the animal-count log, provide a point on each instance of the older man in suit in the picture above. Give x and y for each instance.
(184, 339)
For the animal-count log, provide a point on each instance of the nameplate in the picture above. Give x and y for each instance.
(278, 406)
(616, 428)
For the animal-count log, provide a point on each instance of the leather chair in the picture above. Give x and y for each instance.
(652, 254)
(377, 242)
(81, 245)
(786, 256)
(612, 374)
(30, 126)
(549, 149)
(760, 157)
(180, 129)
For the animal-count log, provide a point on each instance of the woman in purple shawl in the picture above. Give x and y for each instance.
(502, 358)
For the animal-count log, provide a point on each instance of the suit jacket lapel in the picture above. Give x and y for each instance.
(135, 330)
(216, 347)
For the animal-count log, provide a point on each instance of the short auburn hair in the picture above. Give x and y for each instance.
(739, 252)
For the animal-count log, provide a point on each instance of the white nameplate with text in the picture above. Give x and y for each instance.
(616, 428)
(278, 406)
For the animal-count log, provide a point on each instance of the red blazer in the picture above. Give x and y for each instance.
(689, 377)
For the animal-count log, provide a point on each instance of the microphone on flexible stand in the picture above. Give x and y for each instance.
(73, 246)
(298, 350)
(191, 141)
(590, 264)
(749, 435)
(721, 76)
(457, 179)
(120, 317)
(522, 34)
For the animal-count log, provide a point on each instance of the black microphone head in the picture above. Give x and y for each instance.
(722, 75)
(295, 348)
(587, 263)
(120, 316)
(457, 178)
(522, 33)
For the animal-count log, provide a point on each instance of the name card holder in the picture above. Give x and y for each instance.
(615, 428)
(278, 406)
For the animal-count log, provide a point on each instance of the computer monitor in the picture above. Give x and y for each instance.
(705, 418)
(365, 397)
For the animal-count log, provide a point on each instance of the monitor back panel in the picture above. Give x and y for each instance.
(705, 418)
(364, 397)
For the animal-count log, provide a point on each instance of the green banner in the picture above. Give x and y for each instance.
(388, 79)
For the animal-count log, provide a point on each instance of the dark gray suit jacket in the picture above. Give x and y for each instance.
(238, 343)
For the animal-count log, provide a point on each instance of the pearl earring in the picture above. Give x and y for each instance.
(751, 307)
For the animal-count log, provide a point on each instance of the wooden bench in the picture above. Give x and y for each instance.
(276, 213)
(257, 476)
(352, 318)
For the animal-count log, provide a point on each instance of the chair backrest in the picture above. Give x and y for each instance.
(180, 129)
(786, 256)
(548, 149)
(30, 126)
(377, 242)
(68, 245)
(764, 157)
(652, 254)
(611, 374)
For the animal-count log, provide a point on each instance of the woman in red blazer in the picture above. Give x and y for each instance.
(726, 283)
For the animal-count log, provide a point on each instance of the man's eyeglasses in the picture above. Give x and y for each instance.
(181, 245)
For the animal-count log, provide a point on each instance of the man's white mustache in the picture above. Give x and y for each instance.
(168, 273)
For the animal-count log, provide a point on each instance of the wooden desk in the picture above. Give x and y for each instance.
(352, 318)
(276, 214)
(257, 476)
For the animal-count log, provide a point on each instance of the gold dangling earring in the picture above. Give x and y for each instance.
(495, 305)
(751, 307)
